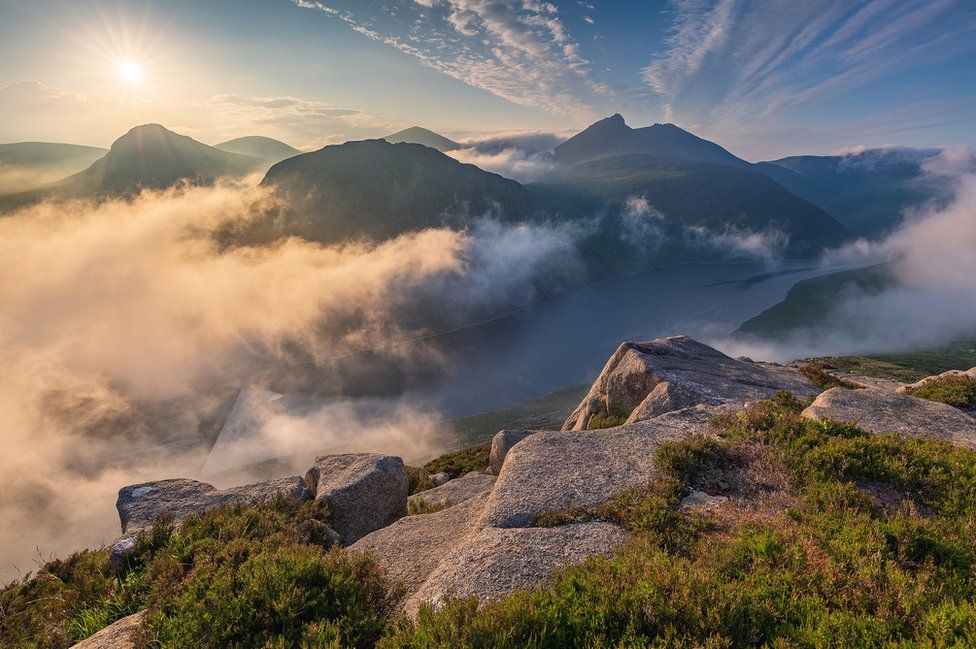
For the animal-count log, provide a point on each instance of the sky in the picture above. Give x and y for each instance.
(765, 78)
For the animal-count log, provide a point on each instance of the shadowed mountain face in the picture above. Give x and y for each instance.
(612, 137)
(418, 135)
(374, 189)
(256, 146)
(867, 191)
(717, 197)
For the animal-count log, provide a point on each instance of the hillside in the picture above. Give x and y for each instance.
(832, 511)
(869, 192)
(808, 304)
(419, 135)
(688, 194)
(375, 189)
(24, 165)
(256, 146)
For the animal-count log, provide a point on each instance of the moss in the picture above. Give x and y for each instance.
(458, 463)
(958, 391)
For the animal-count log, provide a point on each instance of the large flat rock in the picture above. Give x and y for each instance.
(551, 471)
(884, 411)
(119, 635)
(411, 548)
(456, 491)
(643, 380)
(140, 504)
(496, 562)
(364, 491)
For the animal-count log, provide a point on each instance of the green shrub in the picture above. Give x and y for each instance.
(418, 480)
(239, 575)
(816, 371)
(958, 391)
(418, 506)
(458, 463)
(609, 418)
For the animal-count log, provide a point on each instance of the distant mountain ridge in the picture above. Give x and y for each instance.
(28, 165)
(257, 146)
(869, 191)
(612, 137)
(146, 157)
(426, 137)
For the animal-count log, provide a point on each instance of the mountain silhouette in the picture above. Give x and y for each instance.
(419, 135)
(256, 146)
(374, 189)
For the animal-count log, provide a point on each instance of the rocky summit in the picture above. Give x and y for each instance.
(517, 522)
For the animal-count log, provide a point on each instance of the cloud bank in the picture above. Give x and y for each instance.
(126, 329)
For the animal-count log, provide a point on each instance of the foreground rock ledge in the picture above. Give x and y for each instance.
(552, 471)
(497, 562)
(885, 411)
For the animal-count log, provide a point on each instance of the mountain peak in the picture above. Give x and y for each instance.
(421, 135)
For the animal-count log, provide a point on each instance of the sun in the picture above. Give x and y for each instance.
(130, 72)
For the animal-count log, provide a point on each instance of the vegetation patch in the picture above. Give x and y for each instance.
(817, 372)
(459, 463)
(958, 391)
(418, 506)
(239, 575)
(612, 416)
(837, 569)
(418, 480)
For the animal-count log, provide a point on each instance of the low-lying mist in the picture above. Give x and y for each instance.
(127, 329)
(932, 297)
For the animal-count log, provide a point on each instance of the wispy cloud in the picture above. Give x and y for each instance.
(730, 62)
(519, 50)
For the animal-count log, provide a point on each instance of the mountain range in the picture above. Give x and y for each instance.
(404, 182)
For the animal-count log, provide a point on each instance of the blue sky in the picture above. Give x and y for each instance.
(763, 77)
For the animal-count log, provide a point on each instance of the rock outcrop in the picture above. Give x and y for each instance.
(884, 411)
(413, 547)
(456, 491)
(118, 635)
(496, 562)
(364, 491)
(551, 471)
(140, 504)
(501, 444)
(645, 379)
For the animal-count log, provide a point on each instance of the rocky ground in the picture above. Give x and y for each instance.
(490, 533)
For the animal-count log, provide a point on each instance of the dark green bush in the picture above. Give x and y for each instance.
(958, 391)
(458, 463)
